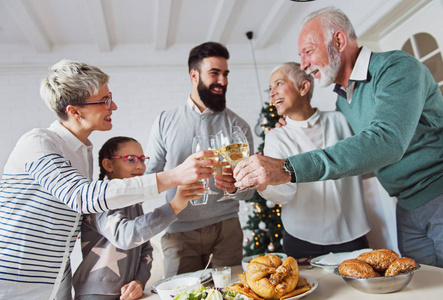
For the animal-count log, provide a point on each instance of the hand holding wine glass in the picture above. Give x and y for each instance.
(223, 178)
(200, 143)
(233, 145)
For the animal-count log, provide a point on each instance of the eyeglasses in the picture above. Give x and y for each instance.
(108, 102)
(133, 159)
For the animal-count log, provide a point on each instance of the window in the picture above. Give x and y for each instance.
(425, 48)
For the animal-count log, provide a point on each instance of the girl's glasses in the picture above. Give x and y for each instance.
(133, 159)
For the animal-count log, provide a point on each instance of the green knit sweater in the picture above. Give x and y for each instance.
(397, 118)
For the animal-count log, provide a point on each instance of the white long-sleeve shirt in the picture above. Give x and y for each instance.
(323, 212)
(45, 189)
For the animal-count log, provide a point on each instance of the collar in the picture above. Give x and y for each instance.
(68, 136)
(305, 123)
(195, 108)
(359, 73)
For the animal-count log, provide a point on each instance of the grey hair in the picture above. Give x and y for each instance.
(70, 83)
(296, 75)
(332, 19)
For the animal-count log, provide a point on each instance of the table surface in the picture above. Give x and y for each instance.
(427, 284)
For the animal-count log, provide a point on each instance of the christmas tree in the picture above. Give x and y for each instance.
(264, 224)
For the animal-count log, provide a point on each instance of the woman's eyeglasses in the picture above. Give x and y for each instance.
(108, 102)
(133, 159)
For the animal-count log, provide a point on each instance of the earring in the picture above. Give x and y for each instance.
(80, 119)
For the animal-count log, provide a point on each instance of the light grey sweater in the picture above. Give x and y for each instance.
(170, 144)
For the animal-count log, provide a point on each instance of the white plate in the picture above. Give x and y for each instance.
(205, 279)
(312, 281)
(336, 257)
(315, 263)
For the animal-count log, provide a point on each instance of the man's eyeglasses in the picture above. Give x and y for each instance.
(108, 102)
(133, 159)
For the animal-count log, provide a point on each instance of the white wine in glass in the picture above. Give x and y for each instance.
(220, 170)
(233, 145)
(200, 143)
(234, 153)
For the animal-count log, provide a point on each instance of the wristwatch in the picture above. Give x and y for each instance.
(288, 168)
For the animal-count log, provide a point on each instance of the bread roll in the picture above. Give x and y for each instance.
(379, 259)
(356, 268)
(401, 266)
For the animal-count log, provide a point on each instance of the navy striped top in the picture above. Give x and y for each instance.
(44, 191)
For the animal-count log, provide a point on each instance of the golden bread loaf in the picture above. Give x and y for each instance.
(379, 259)
(380, 262)
(356, 268)
(401, 266)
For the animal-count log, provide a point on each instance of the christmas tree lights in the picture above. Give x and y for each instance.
(264, 224)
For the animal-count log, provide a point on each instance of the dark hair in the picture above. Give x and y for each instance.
(109, 148)
(208, 49)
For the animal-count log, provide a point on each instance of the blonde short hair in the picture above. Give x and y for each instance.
(296, 75)
(70, 83)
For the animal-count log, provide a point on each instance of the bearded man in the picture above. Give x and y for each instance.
(214, 227)
(395, 109)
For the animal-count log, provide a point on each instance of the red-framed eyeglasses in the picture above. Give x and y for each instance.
(133, 159)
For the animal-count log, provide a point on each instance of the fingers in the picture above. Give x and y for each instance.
(190, 191)
(131, 291)
(250, 180)
(224, 181)
(205, 153)
(240, 169)
(281, 122)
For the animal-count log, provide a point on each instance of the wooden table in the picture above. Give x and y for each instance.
(427, 284)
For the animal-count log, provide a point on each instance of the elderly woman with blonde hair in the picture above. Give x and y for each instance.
(47, 184)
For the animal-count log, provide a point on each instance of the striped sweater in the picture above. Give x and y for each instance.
(44, 190)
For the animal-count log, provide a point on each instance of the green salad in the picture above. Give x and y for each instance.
(205, 293)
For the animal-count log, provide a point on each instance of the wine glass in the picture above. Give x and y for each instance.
(223, 163)
(200, 143)
(233, 146)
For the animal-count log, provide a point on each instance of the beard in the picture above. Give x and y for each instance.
(212, 101)
(329, 72)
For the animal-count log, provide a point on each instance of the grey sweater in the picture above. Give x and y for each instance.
(170, 144)
(116, 248)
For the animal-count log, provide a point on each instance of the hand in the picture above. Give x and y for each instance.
(260, 171)
(132, 290)
(184, 194)
(281, 122)
(191, 170)
(225, 181)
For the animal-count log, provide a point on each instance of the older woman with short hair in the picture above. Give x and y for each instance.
(46, 185)
(318, 217)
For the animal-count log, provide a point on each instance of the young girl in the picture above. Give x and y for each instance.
(117, 255)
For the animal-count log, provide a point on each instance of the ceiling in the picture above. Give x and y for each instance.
(43, 26)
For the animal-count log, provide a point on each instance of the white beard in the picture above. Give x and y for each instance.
(328, 73)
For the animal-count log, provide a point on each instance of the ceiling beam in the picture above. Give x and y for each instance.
(98, 23)
(276, 16)
(389, 18)
(162, 24)
(30, 26)
(221, 17)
